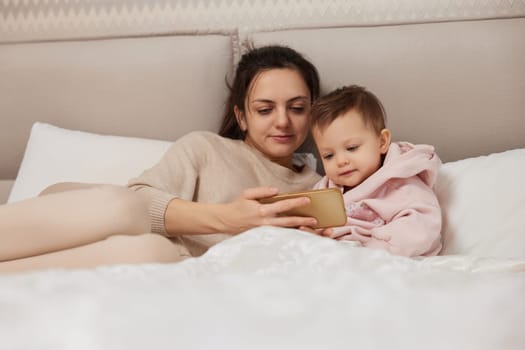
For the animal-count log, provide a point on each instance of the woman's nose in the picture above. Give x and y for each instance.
(282, 117)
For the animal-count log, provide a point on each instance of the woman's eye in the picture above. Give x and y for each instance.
(297, 109)
(264, 111)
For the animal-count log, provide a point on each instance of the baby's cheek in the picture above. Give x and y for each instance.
(328, 170)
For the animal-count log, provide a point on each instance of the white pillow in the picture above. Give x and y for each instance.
(483, 203)
(56, 155)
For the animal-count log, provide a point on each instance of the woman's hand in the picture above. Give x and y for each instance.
(184, 217)
(246, 212)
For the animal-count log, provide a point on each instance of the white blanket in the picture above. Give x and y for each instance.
(271, 288)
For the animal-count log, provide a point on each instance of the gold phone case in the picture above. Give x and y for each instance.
(326, 205)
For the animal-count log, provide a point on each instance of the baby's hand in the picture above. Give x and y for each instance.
(325, 232)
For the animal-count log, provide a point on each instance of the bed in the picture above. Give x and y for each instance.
(108, 80)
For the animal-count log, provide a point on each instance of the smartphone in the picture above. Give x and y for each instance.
(326, 205)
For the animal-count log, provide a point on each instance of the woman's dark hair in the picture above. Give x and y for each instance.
(251, 64)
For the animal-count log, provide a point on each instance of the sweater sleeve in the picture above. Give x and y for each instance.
(174, 176)
(414, 228)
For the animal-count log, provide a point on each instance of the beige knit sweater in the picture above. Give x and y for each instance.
(205, 167)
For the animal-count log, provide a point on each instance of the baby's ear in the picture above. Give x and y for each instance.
(384, 139)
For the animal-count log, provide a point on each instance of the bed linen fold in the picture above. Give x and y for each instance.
(271, 288)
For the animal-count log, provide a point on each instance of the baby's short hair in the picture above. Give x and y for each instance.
(344, 99)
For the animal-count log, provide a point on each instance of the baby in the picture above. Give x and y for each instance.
(386, 186)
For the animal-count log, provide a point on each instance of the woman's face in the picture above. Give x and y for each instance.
(277, 113)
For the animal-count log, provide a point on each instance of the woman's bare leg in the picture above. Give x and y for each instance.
(145, 248)
(68, 219)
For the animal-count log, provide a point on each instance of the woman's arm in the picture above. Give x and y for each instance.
(186, 195)
(186, 217)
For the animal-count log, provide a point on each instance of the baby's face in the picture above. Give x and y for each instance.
(350, 150)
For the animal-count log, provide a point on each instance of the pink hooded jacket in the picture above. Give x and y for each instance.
(395, 209)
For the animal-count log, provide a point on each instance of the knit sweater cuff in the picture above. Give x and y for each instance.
(157, 212)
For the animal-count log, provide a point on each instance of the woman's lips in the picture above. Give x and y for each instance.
(282, 138)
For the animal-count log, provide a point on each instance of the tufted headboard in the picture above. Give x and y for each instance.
(450, 73)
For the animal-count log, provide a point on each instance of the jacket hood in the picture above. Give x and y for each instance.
(404, 160)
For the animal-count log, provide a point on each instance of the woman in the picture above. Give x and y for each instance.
(192, 193)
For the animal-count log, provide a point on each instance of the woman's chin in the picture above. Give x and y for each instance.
(282, 153)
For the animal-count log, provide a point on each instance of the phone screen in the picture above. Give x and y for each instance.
(326, 205)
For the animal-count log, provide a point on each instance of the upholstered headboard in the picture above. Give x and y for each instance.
(450, 73)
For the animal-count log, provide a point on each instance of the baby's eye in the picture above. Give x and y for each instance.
(327, 156)
(352, 148)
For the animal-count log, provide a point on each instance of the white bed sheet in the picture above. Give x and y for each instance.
(271, 288)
